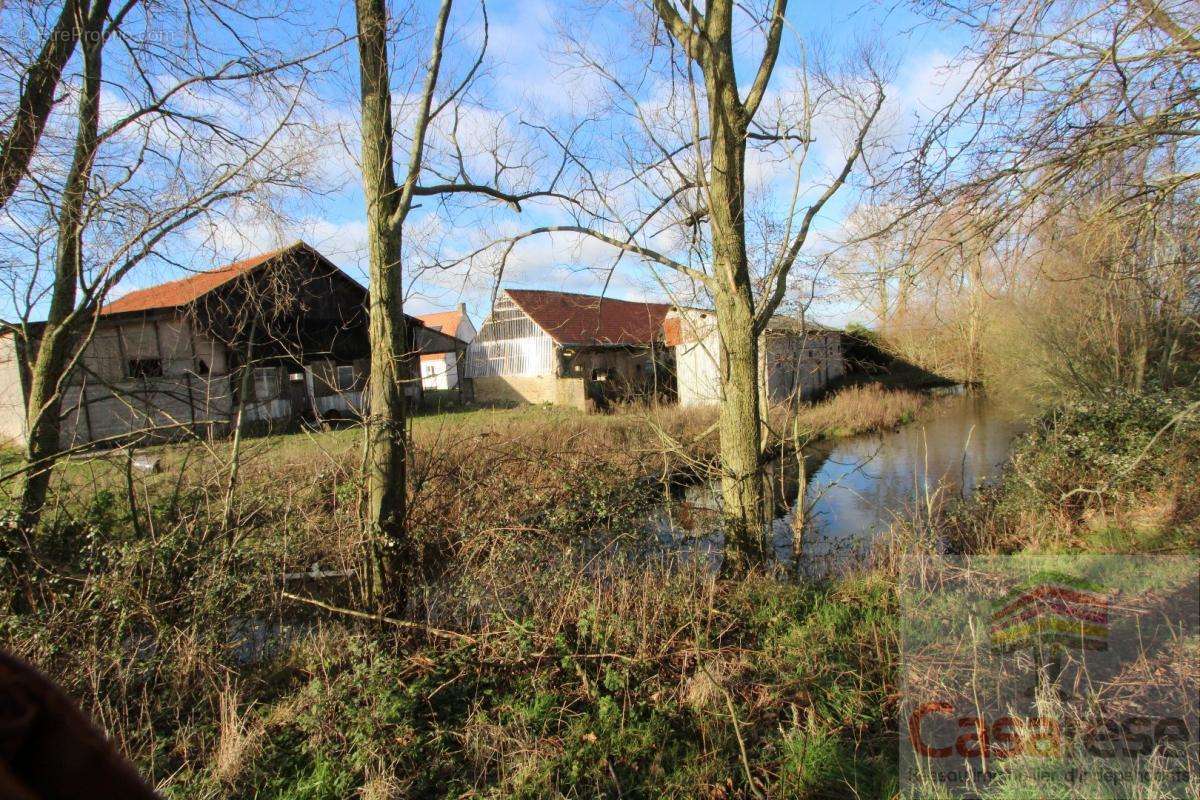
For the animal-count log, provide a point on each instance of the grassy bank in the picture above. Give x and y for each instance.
(1115, 475)
(530, 665)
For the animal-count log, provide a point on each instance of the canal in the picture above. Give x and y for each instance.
(854, 489)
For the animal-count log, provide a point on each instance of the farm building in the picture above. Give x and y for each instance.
(571, 349)
(168, 359)
(796, 360)
(446, 370)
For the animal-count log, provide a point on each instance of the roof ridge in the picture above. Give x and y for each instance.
(575, 318)
(236, 268)
(589, 296)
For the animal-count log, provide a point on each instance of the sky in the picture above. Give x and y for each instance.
(527, 75)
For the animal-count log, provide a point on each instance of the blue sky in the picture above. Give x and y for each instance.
(526, 72)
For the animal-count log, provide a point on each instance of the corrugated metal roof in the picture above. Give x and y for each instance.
(584, 319)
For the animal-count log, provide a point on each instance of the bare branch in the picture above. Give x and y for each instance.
(37, 99)
(767, 67)
(777, 280)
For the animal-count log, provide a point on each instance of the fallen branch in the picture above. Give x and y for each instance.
(397, 623)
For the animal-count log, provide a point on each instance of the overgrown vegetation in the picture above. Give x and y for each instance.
(543, 660)
(1111, 474)
(541, 664)
(471, 604)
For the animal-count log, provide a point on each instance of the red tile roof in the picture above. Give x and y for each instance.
(583, 319)
(444, 321)
(173, 294)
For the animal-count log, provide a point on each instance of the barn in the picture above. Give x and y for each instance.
(287, 326)
(571, 349)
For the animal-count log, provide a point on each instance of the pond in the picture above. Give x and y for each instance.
(855, 488)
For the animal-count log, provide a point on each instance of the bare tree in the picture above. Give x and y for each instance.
(173, 154)
(1076, 124)
(874, 262)
(673, 191)
(55, 343)
(390, 201)
(38, 82)
(1053, 91)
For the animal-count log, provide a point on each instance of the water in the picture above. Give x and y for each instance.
(855, 488)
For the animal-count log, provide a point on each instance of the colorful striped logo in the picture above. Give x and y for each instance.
(1051, 608)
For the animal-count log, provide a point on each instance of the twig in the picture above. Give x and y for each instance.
(1106, 485)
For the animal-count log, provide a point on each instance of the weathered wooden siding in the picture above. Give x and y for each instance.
(104, 400)
(158, 408)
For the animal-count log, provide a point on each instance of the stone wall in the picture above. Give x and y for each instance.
(531, 389)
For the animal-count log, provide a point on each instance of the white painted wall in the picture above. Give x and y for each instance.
(698, 380)
(12, 398)
(439, 371)
(790, 361)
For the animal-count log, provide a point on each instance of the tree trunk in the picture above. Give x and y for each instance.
(385, 428)
(740, 418)
(741, 465)
(54, 350)
(44, 408)
(386, 460)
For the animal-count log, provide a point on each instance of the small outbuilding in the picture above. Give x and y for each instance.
(570, 349)
(443, 371)
(797, 360)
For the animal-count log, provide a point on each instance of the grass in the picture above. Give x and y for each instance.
(860, 409)
(1115, 475)
(639, 442)
(574, 670)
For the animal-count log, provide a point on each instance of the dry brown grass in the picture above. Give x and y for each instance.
(239, 737)
(513, 516)
(482, 481)
(853, 410)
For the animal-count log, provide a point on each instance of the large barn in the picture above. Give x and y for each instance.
(166, 360)
(571, 349)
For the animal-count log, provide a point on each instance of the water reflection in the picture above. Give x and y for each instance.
(854, 488)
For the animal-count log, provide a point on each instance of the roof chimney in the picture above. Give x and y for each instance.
(462, 308)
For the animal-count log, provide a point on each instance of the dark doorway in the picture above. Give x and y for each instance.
(297, 394)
